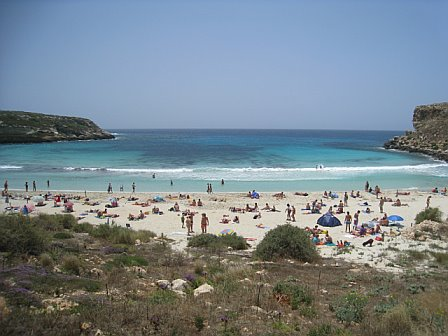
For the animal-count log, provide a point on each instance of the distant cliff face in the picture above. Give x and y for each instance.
(27, 127)
(430, 135)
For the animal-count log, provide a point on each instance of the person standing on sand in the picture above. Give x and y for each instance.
(345, 199)
(6, 186)
(189, 223)
(109, 188)
(356, 219)
(381, 204)
(204, 223)
(34, 186)
(348, 221)
(427, 201)
(26, 186)
(182, 220)
(288, 212)
(293, 213)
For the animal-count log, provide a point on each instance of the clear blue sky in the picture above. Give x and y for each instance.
(225, 64)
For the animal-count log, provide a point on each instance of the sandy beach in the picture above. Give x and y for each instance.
(217, 206)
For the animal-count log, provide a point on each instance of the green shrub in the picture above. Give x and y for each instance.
(441, 258)
(120, 235)
(46, 261)
(213, 241)
(62, 235)
(71, 264)
(55, 222)
(433, 214)
(286, 241)
(143, 235)
(199, 323)
(395, 322)
(162, 297)
(233, 241)
(128, 260)
(19, 236)
(350, 308)
(83, 227)
(203, 240)
(296, 294)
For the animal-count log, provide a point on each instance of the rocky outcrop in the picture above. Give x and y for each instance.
(27, 127)
(430, 135)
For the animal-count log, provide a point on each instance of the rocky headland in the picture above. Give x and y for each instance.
(28, 127)
(430, 135)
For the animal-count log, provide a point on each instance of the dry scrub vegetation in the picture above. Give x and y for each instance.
(59, 277)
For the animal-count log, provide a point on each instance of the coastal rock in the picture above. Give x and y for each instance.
(28, 127)
(430, 136)
(427, 230)
(203, 289)
(163, 284)
(179, 285)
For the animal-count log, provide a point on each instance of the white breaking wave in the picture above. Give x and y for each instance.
(11, 167)
(271, 173)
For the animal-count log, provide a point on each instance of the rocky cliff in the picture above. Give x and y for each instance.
(27, 127)
(430, 135)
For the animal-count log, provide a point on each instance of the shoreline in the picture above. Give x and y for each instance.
(217, 205)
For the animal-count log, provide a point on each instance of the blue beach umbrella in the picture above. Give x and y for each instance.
(395, 218)
(328, 220)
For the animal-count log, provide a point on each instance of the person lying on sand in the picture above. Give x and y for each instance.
(301, 193)
(273, 209)
(266, 207)
(156, 211)
(141, 215)
(384, 221)
(402, 193)
(143, 204)
(279, 195)
(225, 219)
(398, 203)
(252, 209)
(233, 209)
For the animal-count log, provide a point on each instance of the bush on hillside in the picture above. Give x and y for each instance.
(83, 227)
(57, 222)
(213, 241)
(19, 236)
(294, 293)
(350, 307)
(72, 264)
(62, 235)
(121, 235)
(286, 241)
(433, 214)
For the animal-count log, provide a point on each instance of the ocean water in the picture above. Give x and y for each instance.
(265, 160)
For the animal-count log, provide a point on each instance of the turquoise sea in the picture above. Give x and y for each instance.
(265, 160)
